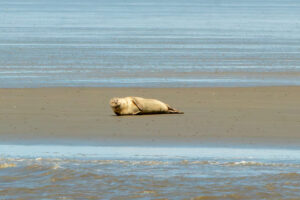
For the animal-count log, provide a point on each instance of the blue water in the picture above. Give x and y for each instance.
(46, 43)
(91, 172)
(128, 152)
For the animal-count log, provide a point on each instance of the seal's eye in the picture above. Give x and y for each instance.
(115, 103)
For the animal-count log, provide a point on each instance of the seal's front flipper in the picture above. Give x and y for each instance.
(137, 113)
(138, 105)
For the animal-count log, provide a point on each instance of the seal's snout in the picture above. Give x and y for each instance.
(114, 102)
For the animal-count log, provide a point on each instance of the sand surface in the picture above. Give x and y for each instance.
(266, 115)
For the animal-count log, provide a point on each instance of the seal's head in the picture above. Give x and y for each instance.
(115, 104)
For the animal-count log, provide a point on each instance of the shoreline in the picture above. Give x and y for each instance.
(246, 116)
(133, 152)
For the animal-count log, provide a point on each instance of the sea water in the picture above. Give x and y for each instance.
(149, 43)
(93, 172)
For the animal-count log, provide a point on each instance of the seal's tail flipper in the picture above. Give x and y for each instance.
(173, 111)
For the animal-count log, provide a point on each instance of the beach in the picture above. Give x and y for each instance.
(220, 116)
(230, 143)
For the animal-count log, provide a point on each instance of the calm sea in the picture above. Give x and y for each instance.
(149, 43)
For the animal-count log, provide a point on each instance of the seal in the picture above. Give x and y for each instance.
(140, 106)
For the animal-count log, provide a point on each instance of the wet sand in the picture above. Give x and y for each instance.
(258, 115)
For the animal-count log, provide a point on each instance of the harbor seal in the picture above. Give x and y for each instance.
(139, 106)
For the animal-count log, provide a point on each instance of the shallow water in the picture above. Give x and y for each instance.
(81, 172)
(149, 43)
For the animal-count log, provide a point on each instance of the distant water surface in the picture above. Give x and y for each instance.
(157, 43)
(87, 172)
